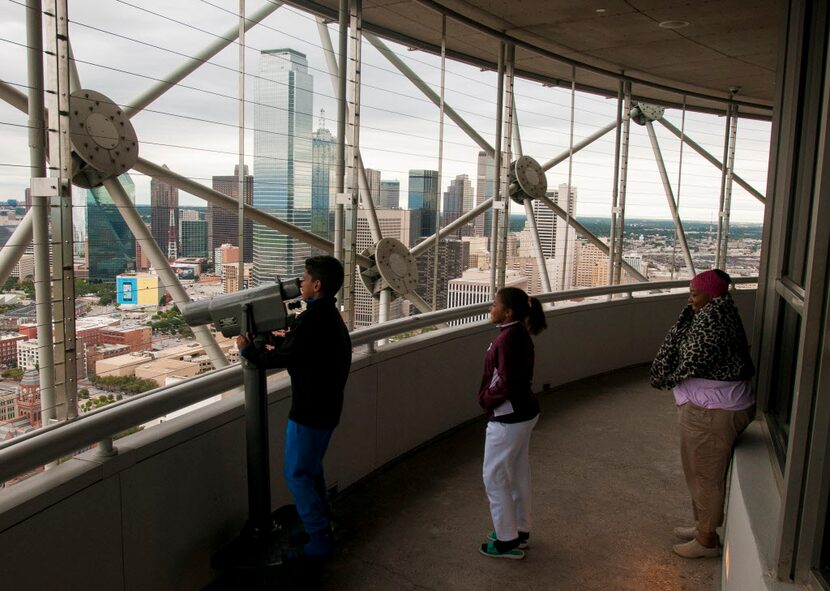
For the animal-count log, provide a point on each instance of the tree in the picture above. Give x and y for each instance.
(10, 284)
(28, 288)
(14, 373)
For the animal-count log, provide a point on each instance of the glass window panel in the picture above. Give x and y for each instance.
(779, 406)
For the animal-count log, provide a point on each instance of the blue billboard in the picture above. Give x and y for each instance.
(126, 290)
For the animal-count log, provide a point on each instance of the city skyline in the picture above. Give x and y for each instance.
(399, 126)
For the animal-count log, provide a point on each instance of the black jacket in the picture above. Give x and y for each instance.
(317, 352)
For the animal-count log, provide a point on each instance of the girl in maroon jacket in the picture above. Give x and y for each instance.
(507, 397)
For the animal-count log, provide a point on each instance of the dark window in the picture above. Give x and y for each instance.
(780, 403)
(824, 560)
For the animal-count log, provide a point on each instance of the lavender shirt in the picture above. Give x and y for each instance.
(714, 394)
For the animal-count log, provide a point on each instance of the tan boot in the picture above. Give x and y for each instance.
(694, 549)
(685, 533)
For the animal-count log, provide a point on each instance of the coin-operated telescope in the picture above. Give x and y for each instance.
(257, 311)
(253, 312)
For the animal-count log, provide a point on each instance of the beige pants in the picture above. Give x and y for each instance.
(707, 437)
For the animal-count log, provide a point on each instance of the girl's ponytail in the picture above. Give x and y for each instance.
(535, 321)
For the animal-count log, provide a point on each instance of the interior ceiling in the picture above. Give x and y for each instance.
(727, 44)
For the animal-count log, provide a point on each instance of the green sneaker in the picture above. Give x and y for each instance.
(524, 539)
(489, 549)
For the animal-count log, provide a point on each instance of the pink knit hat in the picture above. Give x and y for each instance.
(709, 282)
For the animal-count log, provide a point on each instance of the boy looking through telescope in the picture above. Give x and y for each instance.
(317, 352)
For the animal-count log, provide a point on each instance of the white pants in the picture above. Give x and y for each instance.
(507, 476)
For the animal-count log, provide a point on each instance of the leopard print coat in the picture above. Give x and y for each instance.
(709, 344)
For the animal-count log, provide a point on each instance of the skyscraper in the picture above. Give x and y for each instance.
(473, 287)
(111, 246)
(322, 182)
(458, 199)
(164, 214)
(394, 223)
(390, 194)
(423, 197)
(485, 188)
(557, 239)
(194, 238)
(373, 178)
(223, 224)
(282, 160)
(453, 256)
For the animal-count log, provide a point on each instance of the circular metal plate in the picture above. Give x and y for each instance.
(527, 180)
(103, 138)
(369, 275)
(396, 265)
(642, 113)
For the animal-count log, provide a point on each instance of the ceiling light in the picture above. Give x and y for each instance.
(673, 24)
(601, 10)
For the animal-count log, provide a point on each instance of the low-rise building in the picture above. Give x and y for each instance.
(162, 368)
(8, 347)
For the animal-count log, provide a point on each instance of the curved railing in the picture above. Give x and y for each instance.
(40, 447)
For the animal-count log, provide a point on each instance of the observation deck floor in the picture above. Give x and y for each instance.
(608, 489)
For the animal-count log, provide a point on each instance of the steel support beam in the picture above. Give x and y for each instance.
(723, 172)
(616, 255)
(441, 106)
(517, 137)
(15, 247)
(615, 189)
(342, 115)
(507, 160)
(162, 266)
(184, 70)
(712, 160)
(431, 95)
(384, 309)
(240, 269)
(367, 202)
(41, 201)
(678, 223)
(580, 145)
(498, 197)
(353, 143)
(566, 269)
(221, 200)
(63, 274)
(589, 236)
(537, 247)
(725, 208)
(74, 78)
(420, 303)
(428, 243)
(365, 195)
(14, 97)
(679, 185)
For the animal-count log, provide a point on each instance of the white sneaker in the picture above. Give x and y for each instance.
(694, 549)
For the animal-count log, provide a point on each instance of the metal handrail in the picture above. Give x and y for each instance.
(367, 335)
(40, 447)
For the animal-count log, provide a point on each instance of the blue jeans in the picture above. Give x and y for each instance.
(303, 470)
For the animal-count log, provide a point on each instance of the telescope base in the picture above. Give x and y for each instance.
(260, 550)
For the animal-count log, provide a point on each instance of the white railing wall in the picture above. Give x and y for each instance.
(151, 516)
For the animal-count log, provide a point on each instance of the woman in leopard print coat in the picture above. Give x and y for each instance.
(705, 360)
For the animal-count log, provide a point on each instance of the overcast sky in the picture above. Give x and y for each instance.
(122, 46)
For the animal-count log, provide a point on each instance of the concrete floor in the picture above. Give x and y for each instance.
(608, 489)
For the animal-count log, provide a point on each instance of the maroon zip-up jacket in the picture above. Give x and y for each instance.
(511, 354)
